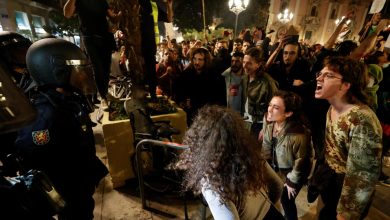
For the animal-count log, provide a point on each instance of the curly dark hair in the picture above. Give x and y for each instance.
(222, 153)
(353, 72)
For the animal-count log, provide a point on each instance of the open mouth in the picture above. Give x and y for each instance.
(319, 87)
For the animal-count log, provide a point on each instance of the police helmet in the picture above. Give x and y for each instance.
(13, 49)
(8, 38)
(59, 63)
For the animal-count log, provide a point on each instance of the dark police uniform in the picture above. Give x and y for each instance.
(61, 143)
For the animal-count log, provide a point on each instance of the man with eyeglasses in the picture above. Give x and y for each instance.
(353, 141)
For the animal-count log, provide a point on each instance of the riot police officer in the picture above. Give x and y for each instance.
(15, 112)
(13, 49)
(60, 142)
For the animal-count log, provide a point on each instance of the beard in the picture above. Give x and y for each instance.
(198, 68)
(235, 69)
(287, 62)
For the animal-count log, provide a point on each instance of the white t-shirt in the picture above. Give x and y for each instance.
(254, 207)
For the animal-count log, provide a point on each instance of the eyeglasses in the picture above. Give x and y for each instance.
(327, 75)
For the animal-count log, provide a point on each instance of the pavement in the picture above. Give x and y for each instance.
(125, 204)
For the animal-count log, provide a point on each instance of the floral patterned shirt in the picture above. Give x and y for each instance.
(353, 145)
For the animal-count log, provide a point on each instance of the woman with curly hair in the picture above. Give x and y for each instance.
(287, 146)
(225, 165)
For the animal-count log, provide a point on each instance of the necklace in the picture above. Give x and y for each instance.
(278, 129)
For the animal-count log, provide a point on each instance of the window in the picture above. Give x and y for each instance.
(22, 20)
(313, 12)
(333, 14)
(38, 23)
(308, 35)
(23, 25)
(283, 5)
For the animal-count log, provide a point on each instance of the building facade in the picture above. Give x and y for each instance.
(25, 17)
(316, 19)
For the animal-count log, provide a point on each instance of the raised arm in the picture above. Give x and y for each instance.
(368, 43)
(69, 8)
(273, 56)
(333, 38)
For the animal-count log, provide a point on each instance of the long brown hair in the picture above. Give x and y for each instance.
(205, 52)
(222, 153)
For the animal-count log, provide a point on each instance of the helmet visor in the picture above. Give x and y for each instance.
(81, 78)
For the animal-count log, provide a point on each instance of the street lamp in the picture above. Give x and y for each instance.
(285, 17)
(237, 6)
(339, 20)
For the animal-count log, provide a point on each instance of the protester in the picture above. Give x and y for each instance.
(224, 164)
(198, 85)
(233, 81)
(353, 141)
(98, 41)
(287, 146)
(258, 89)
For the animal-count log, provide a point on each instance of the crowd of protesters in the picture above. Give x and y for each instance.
(331, 90)
(299, 101)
